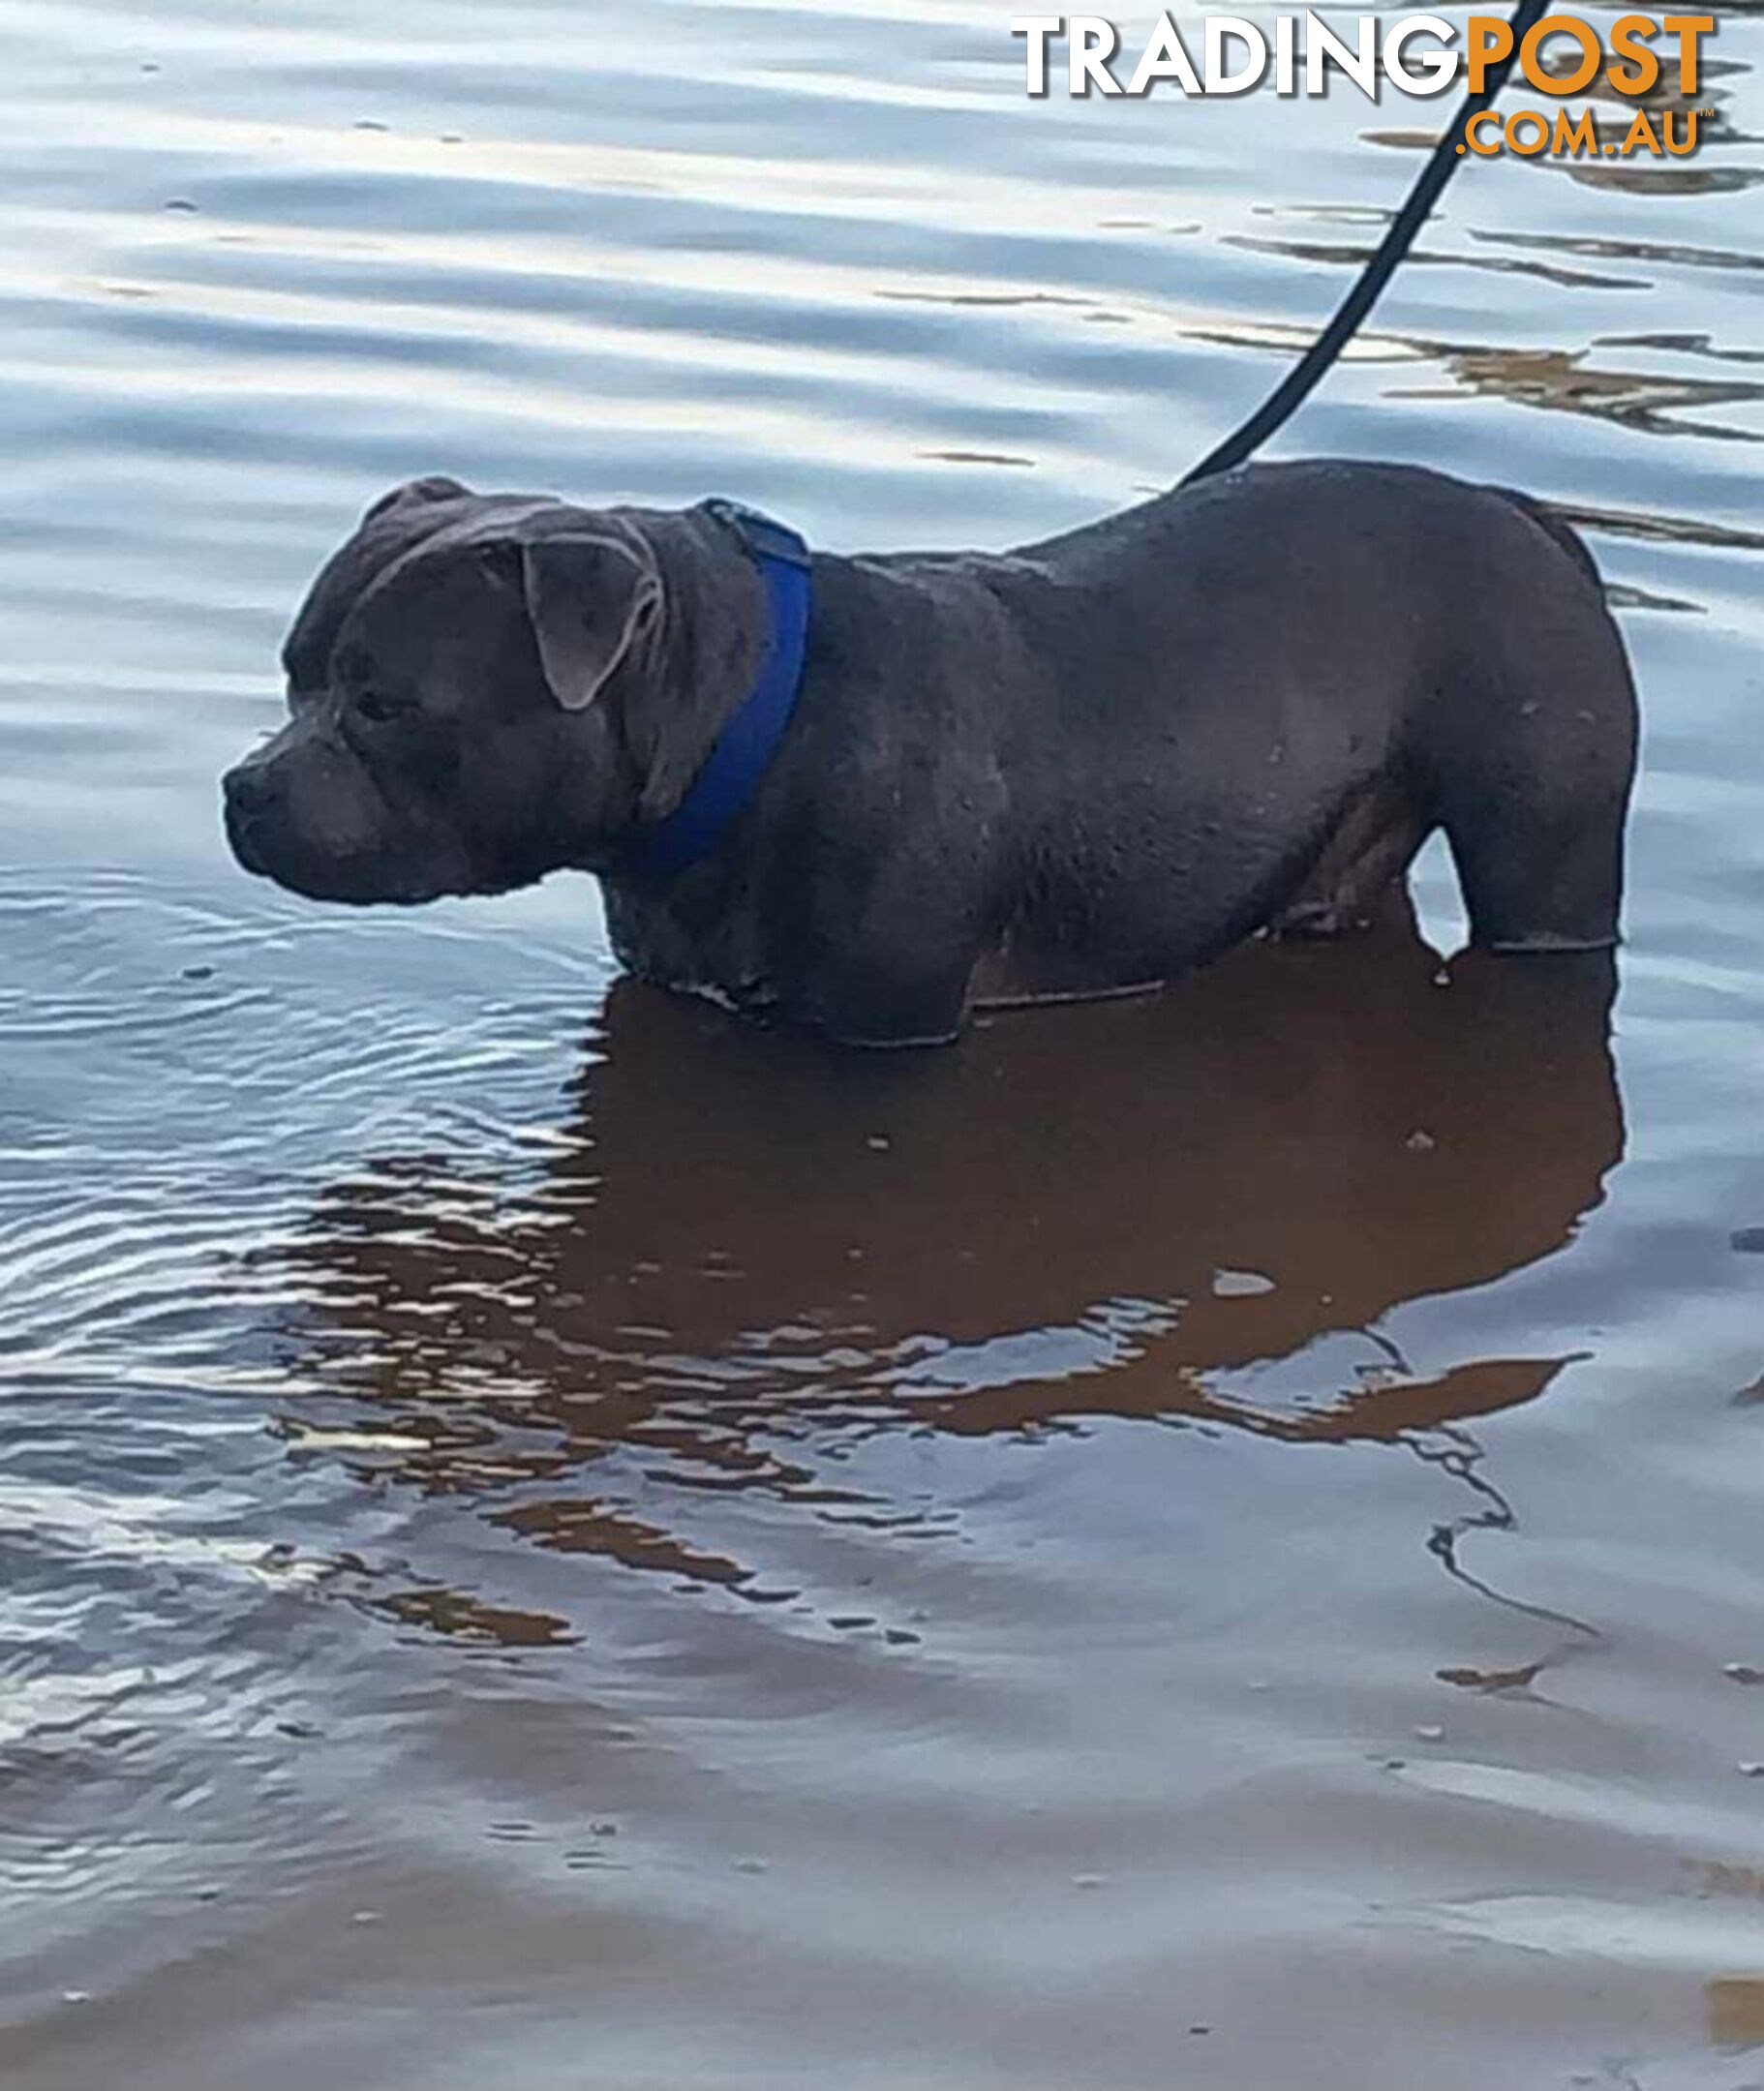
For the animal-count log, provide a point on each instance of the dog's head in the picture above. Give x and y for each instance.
(457, 687)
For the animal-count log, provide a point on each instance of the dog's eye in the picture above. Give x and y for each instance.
(378, 706)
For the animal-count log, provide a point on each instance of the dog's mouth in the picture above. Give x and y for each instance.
(354, 884)
(265, 841)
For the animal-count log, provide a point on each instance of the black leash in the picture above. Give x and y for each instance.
(1307, 373)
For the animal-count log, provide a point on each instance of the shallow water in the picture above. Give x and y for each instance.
(542, 1534)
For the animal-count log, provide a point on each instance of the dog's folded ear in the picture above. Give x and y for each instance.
(436, 488)
(590, 600)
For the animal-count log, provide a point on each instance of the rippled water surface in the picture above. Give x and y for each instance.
(549, 1539)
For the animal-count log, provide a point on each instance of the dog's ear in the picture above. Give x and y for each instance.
(434, 488)
(590, 600)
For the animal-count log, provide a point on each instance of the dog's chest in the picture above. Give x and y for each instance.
(710, 950)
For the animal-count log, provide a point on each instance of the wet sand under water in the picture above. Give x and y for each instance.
(547, 1534)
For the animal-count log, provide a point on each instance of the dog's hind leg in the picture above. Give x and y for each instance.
(1535, 810)
(1529, 756)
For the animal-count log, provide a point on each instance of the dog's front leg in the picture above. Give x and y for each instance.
(878, 932)
(878, 998)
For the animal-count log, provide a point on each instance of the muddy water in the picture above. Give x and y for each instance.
(546, 1537)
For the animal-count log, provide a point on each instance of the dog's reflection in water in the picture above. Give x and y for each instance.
(1099, 1210)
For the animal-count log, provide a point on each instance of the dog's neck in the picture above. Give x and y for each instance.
(701, 663)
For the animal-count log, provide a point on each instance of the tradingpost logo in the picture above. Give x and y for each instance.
(1643, 58)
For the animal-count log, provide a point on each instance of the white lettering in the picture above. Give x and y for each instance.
(1438, 69)
(1286, 70)
(1417, 54)
(1037, 29)
(1359, 63)
(1222, 29)
(1165, 58)
(1093, 42)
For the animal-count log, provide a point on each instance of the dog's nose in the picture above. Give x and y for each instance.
(252, 788)
(250, 796)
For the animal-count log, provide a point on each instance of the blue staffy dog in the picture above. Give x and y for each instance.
(871, 793)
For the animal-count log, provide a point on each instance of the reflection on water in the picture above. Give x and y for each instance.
(1104, 1211)
(1551, 377)
(1158, 1210)
(546, 1533)
(1736, 2011)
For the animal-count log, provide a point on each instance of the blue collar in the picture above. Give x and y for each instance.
(738, 758)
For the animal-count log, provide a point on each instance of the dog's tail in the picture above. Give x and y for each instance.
(1556, 526)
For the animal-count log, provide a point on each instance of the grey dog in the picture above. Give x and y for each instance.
(1079, 767)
